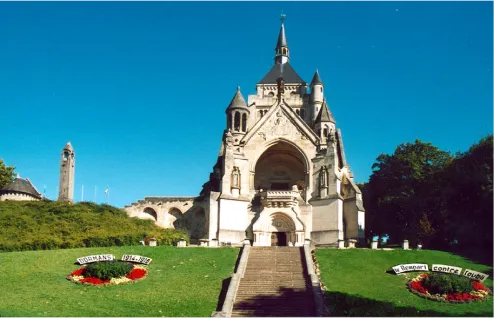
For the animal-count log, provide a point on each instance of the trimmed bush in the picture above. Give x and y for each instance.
(108, 270)
(440, 283)
(30, 225)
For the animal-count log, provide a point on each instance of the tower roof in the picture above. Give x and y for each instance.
(285, 71)
(282, 37)
(238, 101)
(19, 185)
(316, 80)
(68, 146)
(324, 114)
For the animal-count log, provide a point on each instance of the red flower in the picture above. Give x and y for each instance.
(78, 272)
(94, 281)
(418, 287)
(424, 275)
(478, 286)
(136, 274)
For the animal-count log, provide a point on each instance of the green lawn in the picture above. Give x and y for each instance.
(181, 282)
(358, 284)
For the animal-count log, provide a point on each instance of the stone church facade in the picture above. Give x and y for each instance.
(281, 176)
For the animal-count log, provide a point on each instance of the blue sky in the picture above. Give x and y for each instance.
(140, 88)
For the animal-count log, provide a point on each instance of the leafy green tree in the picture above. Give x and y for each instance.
(6, 174)
(468, 197)
(398, 192)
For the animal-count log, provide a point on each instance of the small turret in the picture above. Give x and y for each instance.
(316, 94)
(237, 114)
(324, 125)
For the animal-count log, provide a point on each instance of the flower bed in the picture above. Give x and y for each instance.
(137, 273)
(476, 292)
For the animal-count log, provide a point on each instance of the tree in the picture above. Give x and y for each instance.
(6, 174)
(397, 194)
(468, 194)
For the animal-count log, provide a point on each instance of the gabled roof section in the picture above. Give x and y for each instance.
(324, 114)
(282, 70)
(19, 185)
(292, 117)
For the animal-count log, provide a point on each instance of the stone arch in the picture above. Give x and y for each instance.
(281, 222)
(280, 165)
(273, 222)
(151, 212)
(273, 142)
(178, 221)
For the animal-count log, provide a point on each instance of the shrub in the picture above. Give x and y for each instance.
(440, 283)
(108, 270)
(29, 225)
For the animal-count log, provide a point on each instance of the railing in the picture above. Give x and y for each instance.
(226, 310)
(316, 285)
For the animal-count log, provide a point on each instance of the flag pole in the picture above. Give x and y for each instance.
(82, 193)
(95, 187)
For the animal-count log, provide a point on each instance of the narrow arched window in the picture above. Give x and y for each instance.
(229, 121)
(236, 121)
(325, 132)
(244, 122)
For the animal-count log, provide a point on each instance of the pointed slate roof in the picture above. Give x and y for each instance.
(316, 80)
(282, 37)
(282, 70)
(324, 114)
(20, 185)
(238, 101)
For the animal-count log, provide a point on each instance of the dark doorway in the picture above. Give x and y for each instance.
(278, 239)
(280, 186)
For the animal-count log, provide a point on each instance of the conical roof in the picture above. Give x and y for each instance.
(282, 38)
(238, 101)
(316, 80)
(324, 114)
(19, 185)
(68, 146)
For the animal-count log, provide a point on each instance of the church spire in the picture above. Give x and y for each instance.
(282, 51)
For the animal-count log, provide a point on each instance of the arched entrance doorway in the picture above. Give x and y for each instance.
(282, 230)
(280, 167)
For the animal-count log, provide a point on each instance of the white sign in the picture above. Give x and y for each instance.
(136, 259)
(95, 258)
(446, 269)
(475, 275)
(410, 268)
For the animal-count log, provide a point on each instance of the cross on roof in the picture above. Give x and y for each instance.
(283, 16)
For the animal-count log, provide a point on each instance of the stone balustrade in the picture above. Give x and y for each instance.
(279, 198)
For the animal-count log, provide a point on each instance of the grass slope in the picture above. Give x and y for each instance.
(31, 225)
(181, 282)
(358, 285)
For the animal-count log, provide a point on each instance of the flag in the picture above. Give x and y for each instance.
(106, 191)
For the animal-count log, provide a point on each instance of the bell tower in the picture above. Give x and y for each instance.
(67, 167)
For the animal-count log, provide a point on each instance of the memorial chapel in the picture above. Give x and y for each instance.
(281, 176)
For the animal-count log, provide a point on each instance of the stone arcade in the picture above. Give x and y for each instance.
(281, 176)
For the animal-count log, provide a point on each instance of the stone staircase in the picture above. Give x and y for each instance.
(275, 284)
